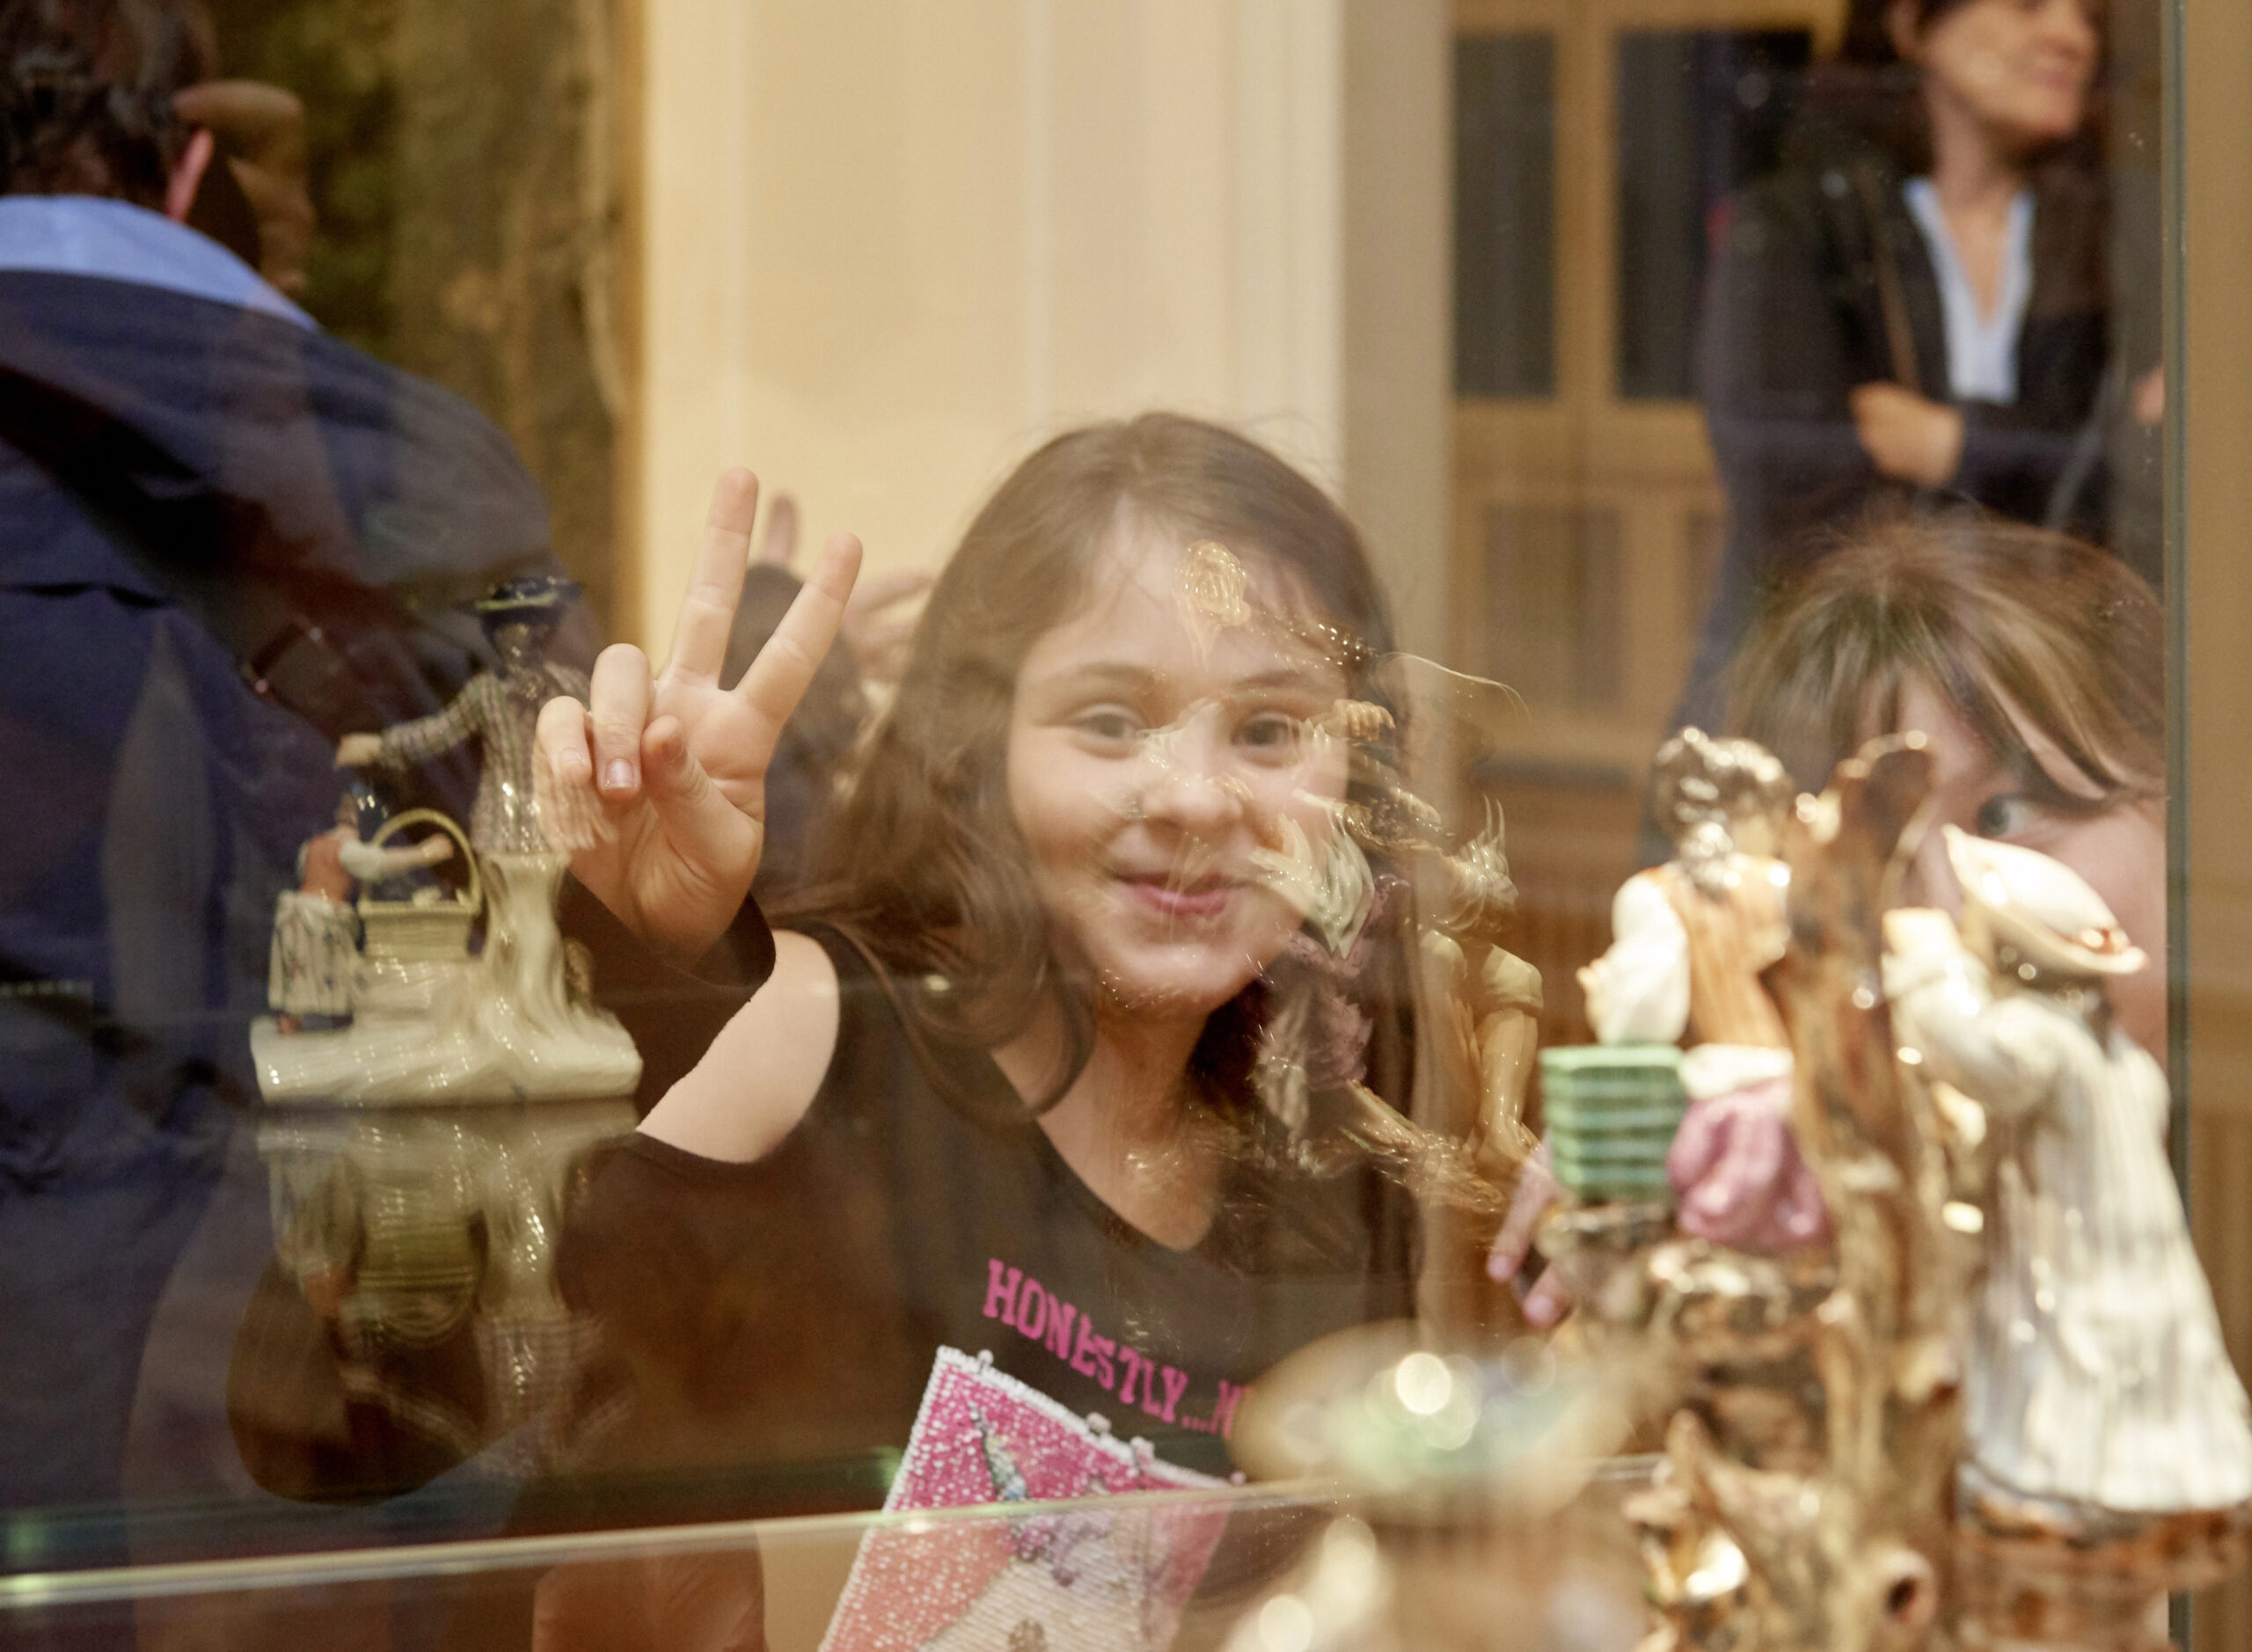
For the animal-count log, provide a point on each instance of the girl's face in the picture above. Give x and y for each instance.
(1146, 764)
(2121, 850)
(2021, 68)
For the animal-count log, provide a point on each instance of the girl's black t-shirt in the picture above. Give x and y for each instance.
(782, 1317)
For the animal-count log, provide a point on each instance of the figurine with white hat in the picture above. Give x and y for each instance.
(2099, 1394)
(515, 1020)
(498, 710)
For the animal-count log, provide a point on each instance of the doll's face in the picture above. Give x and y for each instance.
(1147, 763)
(1756, 831)
(2021, 68)
(2120, 850)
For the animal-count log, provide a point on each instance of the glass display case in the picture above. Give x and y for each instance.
(796, 1581)
(1280, 824)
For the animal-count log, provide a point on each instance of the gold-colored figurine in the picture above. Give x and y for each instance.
(1996, 1410)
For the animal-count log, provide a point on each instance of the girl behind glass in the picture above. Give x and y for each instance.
(999, 1092)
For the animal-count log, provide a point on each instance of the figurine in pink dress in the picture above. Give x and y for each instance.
(1690, 940)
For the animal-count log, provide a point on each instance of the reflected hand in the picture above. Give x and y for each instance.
(680, 800)
(2148, 398)
(1908, 437)
(357, 751)
(437, 848)
(1740, 1177)
(263, 130)
(875, 633)
(879, 635)
(1545, 1300)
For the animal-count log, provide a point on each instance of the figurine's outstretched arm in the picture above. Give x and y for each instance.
(441, 731)
(1638, 993)
(670, 766)
(367, 863)
(1508, 1038)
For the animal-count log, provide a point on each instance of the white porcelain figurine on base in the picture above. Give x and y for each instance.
(430, 1020)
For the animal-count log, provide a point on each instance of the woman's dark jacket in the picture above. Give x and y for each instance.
(1824, 282)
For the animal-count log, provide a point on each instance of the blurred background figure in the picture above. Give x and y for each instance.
(1914, 307)
(2037, 665)
(226, 539)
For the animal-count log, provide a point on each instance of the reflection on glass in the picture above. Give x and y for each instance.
(1910, 310)
(969, 1035)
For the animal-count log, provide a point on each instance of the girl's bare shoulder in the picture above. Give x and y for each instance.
(763, 1070)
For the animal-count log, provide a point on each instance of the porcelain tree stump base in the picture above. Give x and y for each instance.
(502, 1025)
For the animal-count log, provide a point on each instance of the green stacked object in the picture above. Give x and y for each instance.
(1612, 1111)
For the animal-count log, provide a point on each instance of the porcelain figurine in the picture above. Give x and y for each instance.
(1417, 850)
(1691, 940)
(2020, 1426)
(313, 961)
(439, 1023)
(499, 710)
(1814, 1425)
(424, 1240)
(2099, 1394)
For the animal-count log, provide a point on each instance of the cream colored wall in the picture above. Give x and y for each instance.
(2215, 406)
(1398, 390)
(887, 245)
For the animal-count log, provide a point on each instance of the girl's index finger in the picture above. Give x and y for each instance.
(778, 678)
(707, 612)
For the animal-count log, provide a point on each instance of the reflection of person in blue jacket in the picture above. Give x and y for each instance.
(225, 541)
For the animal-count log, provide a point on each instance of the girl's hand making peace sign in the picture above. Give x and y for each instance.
(668, 773)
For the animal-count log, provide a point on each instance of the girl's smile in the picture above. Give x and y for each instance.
(1206, 899)
(1148, 765)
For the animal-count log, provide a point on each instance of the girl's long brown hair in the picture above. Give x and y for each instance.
(919, 861)
(1999, 618)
